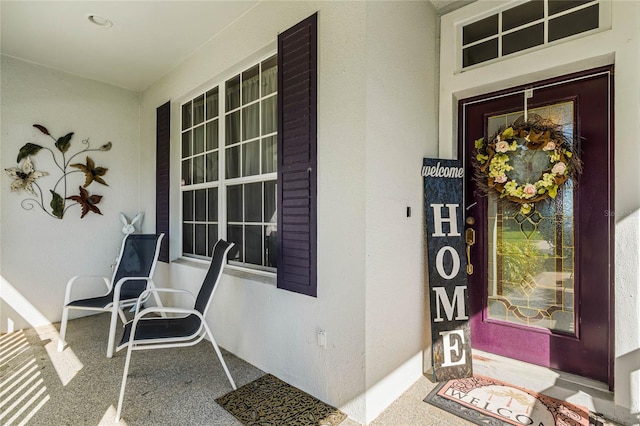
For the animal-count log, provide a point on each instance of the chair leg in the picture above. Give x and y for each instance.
(63, 329)
(124, 382)
(217, 349)
(112, 332)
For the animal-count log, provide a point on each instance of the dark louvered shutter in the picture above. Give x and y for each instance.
(163, 128)
(297, 157)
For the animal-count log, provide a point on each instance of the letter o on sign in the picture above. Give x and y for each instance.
(440, 265)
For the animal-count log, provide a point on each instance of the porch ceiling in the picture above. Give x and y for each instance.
(147, 39)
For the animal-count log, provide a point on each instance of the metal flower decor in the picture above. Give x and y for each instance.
(25, 176)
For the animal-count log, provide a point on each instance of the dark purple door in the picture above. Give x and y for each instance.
(541, 288)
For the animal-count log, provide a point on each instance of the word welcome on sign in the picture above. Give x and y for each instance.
(450, 337)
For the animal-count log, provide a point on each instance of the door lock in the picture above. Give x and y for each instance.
(470, 238)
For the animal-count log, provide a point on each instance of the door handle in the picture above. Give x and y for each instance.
(470, 239)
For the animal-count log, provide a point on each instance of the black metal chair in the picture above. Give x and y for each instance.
(185, 327)
(132, 276)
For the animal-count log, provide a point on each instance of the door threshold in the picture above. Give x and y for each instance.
(589, 393)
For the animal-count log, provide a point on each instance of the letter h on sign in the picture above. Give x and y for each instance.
(450, 340)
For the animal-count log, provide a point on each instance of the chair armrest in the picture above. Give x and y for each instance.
(145, 295)
(122, 281)
(165, 310)
(73, 280)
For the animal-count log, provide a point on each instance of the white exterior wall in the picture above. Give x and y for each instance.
(273, 329)
(619, 46)
(41, 253)
(401, 130)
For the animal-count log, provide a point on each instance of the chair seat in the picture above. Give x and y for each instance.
(98, 302)
(162, 328)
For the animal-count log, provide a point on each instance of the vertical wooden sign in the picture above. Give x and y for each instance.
(450, 337)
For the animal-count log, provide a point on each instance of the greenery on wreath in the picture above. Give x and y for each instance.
(24, 176)
(525, 162)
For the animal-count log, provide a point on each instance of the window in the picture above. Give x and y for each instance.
(527, 25)
(229, 167)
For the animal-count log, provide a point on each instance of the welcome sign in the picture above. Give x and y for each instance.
(450, 337)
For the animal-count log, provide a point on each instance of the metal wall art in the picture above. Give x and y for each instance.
(25, 175)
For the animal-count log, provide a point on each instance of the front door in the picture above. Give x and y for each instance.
(541, 286)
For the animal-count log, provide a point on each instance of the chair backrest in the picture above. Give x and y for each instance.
(138, 258)
(218, 260)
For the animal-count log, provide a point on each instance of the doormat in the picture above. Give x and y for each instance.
(270, 401)
(486, 401)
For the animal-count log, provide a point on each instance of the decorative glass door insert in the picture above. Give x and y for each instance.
(531, 256)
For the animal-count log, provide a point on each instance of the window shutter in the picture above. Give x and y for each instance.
(297, 157)
(163, 128)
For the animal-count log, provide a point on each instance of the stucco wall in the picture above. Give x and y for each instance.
(40, 253)
(270, 328)
(402, 67)
(620, 46)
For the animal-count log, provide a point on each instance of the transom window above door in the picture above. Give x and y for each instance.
(522, 26)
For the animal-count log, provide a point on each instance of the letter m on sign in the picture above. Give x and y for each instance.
(444, 210)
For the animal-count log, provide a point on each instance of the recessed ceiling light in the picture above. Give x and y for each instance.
(100, 21)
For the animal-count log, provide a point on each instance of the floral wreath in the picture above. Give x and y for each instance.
(498, 169)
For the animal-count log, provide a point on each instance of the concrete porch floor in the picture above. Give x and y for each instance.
(80, 386)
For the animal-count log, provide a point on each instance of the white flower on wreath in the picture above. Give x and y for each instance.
(550, 146)
(502, 146)
(559, 168)
(501, 178)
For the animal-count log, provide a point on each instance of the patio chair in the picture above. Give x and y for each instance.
(132, 275)
(186, 327)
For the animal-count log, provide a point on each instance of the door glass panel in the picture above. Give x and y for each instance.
(531, 257)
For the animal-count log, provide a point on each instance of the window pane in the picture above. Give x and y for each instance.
(557, 6)
(270, 246)
(251, 158)
(574, 23)
(198, 169)
(234, 203)
(212, 166)
(198, 140)
(478, 30)
(269, 115)
(187, 205)
(212, 135)
(480, 53)
(251, 122)
(253, 244)
(250, 85)
(253, 202)
(234, 235)
(198, 110)
(186, 172)
(186, 115)
(186, 144)
(232, 129)
(212, 202)
(269, 154)
(270, 197)
(212, 103)
(523, 39)
(232, 162)
(187, 238)
(201, 205)
(213, 237)
(270, 75)
(233, 93)
(201, 240)
(523, 14)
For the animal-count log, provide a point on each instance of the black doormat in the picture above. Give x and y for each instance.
(486, 401)
(270, 401)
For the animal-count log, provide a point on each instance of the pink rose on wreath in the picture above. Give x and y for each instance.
(550, 146)
(529, 190)
(500, 179)
(559, 168)
(502, 146)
